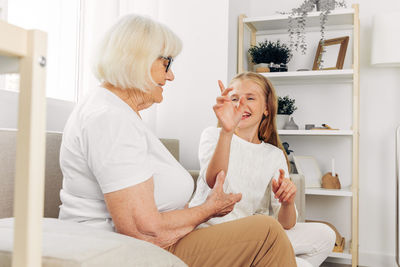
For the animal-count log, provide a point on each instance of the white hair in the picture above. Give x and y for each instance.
(129, 48)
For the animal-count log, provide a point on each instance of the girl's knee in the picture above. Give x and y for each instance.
(326, 233)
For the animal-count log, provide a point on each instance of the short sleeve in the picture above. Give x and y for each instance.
(116, 150)
(274, 203)
(208, 142)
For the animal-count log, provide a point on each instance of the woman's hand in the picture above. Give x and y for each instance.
(228, 113)
(284, 189)
(221, 203)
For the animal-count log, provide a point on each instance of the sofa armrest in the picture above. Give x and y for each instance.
(300, 199)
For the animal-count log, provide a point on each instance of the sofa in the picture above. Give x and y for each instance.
(71, 244)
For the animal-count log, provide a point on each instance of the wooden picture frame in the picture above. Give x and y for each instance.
(308, 166)
(343, 42)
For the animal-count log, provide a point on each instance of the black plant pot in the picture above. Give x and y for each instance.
(274, 67)
(283, 68)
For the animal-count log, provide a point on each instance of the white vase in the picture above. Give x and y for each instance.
(281, 120)
(261, 67)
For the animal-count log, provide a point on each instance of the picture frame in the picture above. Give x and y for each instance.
(308, 166)
(326, 54)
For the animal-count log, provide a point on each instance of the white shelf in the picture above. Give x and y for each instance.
(316, 132)
(312, 76)
(339, 17)
(341, 255)
(344, 192)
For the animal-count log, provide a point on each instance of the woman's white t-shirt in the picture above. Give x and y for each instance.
(250, 170)
(106, 147)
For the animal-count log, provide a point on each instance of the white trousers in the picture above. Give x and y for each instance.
(312, 242)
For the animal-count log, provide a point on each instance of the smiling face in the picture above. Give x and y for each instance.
(254, 102)
(160, 78)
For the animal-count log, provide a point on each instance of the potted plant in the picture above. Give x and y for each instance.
(270, 56)
(286, 108)
(297, 20)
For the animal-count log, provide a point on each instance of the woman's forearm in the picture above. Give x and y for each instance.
(220, 159)
(287, 216)
(170, 226)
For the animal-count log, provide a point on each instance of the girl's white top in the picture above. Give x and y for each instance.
(250, 170)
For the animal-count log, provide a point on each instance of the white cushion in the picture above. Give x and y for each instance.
(70, 244)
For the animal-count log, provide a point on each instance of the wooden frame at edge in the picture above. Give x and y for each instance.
(343, 41)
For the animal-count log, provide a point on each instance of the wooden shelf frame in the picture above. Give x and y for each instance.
(338, 19)
(27, 49)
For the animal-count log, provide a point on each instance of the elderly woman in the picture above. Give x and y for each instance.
(119, 177)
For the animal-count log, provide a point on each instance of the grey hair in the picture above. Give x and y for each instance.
(129, 48)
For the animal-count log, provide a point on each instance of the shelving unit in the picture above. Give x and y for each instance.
(24, 51)
(315, 132)
(341, 19)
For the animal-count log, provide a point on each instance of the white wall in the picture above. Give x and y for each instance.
(187, 106)
(236, 8)
(57, 111)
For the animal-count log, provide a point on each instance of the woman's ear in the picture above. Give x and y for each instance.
(266, 113)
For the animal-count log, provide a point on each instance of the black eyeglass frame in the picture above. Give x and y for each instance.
(170, 60)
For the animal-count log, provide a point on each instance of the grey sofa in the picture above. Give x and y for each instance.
(70, 244)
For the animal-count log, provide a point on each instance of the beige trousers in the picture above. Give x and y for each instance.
(257, 240)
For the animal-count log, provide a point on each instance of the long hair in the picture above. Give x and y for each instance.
(267, 131)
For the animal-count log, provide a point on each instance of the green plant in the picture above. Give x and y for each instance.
(286, 105)
(297, 20)
(267, 52)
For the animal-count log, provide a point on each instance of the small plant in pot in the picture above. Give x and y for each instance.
(286, 107)
(270, 56)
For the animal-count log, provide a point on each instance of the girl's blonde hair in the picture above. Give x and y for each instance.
(267, 131)
(129, 48)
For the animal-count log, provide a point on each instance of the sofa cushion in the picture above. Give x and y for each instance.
(70, 244)
(53, 179)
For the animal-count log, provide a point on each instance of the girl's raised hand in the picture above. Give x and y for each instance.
(284, 189)
(228, 113)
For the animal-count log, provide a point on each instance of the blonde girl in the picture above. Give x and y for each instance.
(247, 148)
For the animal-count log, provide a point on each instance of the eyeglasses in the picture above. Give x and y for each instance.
(170, 60)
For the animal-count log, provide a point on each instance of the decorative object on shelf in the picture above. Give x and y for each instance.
(324, 126)
(303, 70)
(331, 179)
(286, 108)
(308, 166)
(297, 20)
(270, 56)
(290, 156)
(331, 53)
(291, 125)
(339, 242)
(309, 126)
